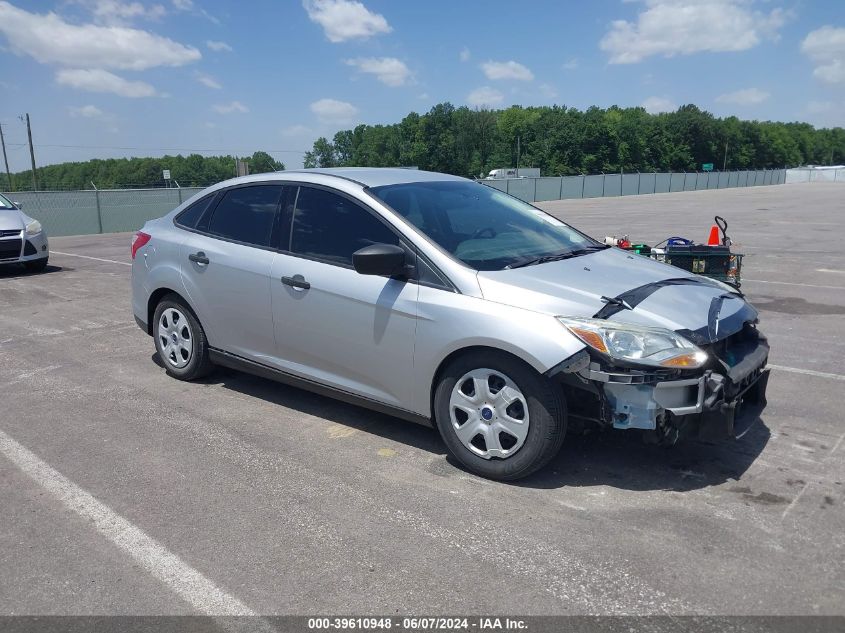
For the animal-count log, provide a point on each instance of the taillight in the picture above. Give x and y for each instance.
(138, 240)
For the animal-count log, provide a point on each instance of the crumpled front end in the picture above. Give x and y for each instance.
(712, 402)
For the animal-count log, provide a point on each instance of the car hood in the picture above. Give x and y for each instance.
(10, 219)
(665, 296)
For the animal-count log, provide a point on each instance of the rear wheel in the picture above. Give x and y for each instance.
(180, 340)
(36, 265)
(498, 416)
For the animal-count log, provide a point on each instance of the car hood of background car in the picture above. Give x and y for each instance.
(10, 219)
(575, 287)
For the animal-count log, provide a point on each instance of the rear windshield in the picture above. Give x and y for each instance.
(479, 225)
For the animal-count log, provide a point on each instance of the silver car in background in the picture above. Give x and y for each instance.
(22, 239)
(445, 302)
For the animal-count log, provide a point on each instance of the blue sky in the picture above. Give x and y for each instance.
(104, 78)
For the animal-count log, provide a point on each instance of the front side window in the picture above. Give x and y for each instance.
(246, 214)
(481, 226)
(5, 203)
(329, 227)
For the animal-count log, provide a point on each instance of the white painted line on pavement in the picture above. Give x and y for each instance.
(96, 259)
(791, 283)
(163, 564)
(794, 501)
(830, 270)
(808, 372)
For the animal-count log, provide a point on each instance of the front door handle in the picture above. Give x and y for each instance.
(198, 258)
(297, 281)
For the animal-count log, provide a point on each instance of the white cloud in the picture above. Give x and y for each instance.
(749, 96)
(388, 70)
(334, 111)
(571, 64)
(507, 70)
(208, 81)
(98, 80)
(684, 27)
(183, 5)
(49, 39)
(117, 12)
(344, 20)
(485, 97)
(218, 46)
(297, 130)
(229, 108)
(655, 105)
(826, 47)
(88, 112)
(464, 55)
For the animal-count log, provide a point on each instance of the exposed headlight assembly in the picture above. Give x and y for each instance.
(33, 227)
(657, 347)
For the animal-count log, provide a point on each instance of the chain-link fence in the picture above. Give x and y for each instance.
(113, 210)
(103, 211)
(607, 185)
(815, 174)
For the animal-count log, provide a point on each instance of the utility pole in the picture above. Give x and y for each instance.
(517, 157)
(6, 160)
(725, 162)
(31, 153)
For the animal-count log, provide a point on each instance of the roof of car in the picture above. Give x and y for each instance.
(378, 176)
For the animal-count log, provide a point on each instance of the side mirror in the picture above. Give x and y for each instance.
(19, 205)
(384, 260)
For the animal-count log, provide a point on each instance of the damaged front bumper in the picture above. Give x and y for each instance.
(718, 402)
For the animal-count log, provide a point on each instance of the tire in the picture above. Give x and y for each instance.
(36, 265)
(180, 340)
(545, 415)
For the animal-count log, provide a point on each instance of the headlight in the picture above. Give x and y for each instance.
(33, 227)
(636, 344)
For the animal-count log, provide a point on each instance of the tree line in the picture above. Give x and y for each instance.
(557, 139)
(567, 141)
(193, 170)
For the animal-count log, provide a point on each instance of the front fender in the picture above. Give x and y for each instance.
(449, 322)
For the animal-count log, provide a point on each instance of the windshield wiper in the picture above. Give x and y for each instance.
(557, 257)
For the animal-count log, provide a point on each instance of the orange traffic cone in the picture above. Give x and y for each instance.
(714, 240)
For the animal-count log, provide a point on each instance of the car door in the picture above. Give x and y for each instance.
(225, 267)
(350, 331)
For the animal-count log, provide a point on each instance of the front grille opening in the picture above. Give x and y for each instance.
(10, 249)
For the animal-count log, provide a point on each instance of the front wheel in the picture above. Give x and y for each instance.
(180, 340)
(498, 416)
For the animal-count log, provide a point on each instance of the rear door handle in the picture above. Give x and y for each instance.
(297, 281)
(198, 258)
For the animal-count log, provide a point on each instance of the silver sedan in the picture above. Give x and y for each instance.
(22, 238)
(446, 302)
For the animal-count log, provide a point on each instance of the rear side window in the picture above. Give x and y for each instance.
(246, 214)
(191, 216)
(330, 227)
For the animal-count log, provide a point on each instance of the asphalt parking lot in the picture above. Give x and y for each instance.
(267, 498)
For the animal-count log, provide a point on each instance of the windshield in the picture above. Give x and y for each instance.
(5, 203)
(481, 226)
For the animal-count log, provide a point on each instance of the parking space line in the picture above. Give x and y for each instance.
(808, 372)
(184, 580)
(791, 283)
(96, 259)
